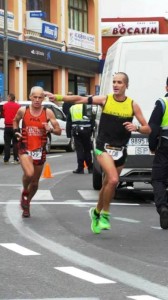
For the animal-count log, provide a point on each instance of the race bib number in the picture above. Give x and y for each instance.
(36, 154)
(116, 153)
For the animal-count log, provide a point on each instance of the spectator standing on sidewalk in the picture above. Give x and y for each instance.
(9, 111)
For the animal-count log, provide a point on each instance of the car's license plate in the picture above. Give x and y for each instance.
(138, 146)
(138, 141)
(142, 150)
(138, 150)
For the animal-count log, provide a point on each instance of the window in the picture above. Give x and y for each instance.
(1, 66)
(79, 84)
(41, 78)
(58, 113)
(1, 4)
(43, 5)
(78, 15)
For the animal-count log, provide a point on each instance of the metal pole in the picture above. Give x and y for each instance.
(5, 50)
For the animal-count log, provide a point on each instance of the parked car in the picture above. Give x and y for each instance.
(53, 141)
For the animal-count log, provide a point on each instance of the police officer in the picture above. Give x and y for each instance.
(166, 87)
(79, 123)
(66, 106)
(158, 144)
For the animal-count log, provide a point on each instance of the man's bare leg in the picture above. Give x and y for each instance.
(33, 185)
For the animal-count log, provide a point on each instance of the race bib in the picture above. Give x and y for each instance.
(115, 152)
(36, 154)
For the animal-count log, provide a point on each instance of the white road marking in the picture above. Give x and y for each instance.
(84, 261)
(19, 249)
(92, 195)
(126, 220)
(84, 275)
(143, 297)
(76, 203)
(67, 202)
(43, 195)
(53, 156)
(89, 194)
(60, 299)
(10, 184)
(56, 173)
(156, 227)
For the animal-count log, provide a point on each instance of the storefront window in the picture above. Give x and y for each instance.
(1, 4)
(43, 5)
(78, 15)
(1, 66)
(79, 84)
(40, 78)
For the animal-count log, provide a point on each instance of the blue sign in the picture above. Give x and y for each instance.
(49, 31)
(1, 86)
(37, 14)
(40, 83)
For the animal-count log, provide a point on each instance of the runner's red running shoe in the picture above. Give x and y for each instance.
(25, 204)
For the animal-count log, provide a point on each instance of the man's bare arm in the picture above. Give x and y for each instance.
(97, 100)
(18, 117)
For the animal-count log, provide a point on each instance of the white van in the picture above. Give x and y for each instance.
(145, 59)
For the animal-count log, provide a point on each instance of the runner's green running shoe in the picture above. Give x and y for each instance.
(104, 221)
(94, 221)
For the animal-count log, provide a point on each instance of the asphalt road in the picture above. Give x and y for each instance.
(54, 254)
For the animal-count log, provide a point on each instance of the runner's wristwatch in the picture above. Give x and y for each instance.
(138, 128)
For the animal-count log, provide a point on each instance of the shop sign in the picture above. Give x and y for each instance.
(34, 20)
(129, 28)
(49, 31)
(10, 19)
(37, 52)
(81, 39)
(37, 14)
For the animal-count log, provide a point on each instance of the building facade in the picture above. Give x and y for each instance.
(55, 44)
(113, 28)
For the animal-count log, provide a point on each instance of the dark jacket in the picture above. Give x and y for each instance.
(85, 113)
(155, 124)
(65, 107)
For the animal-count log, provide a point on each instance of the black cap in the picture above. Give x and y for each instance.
(167, 81)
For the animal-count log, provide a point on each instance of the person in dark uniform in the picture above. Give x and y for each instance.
(79, 124)
(166, 87)
(158, 144)
(66, 106)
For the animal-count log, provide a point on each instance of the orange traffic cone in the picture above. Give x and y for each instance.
(85, 165)
(47, 172)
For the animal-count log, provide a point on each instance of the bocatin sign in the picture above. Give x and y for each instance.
(129, 28)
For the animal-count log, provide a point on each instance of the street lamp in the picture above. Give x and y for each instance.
(5, 50)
